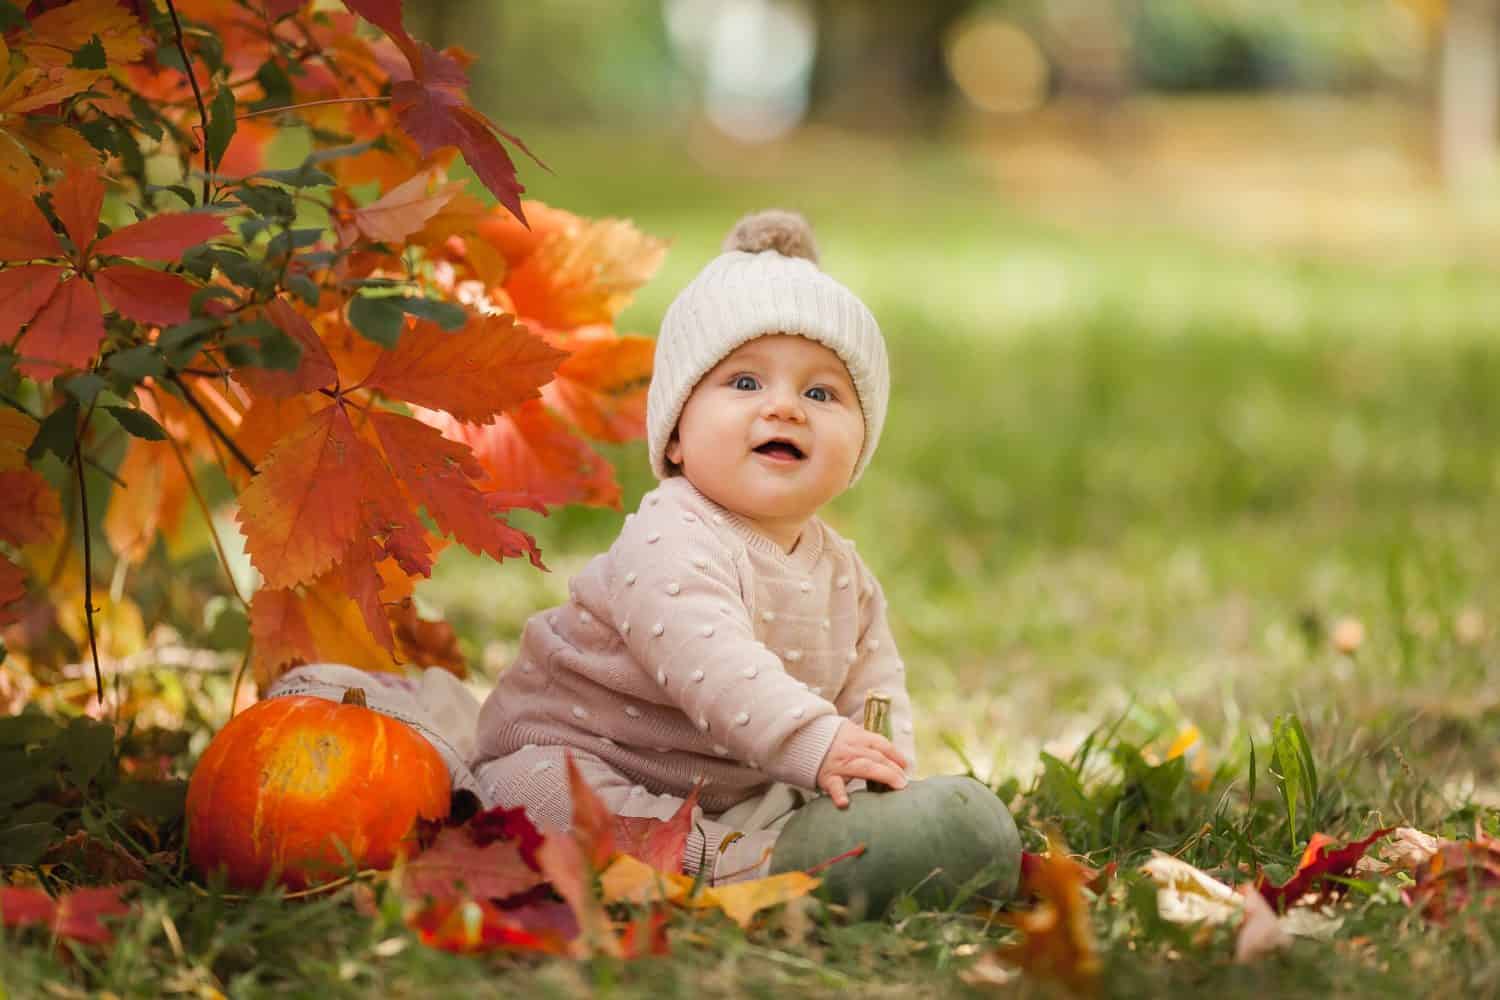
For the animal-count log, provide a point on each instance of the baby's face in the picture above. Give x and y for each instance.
(776, 388)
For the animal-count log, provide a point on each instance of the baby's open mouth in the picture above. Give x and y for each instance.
(780, 449)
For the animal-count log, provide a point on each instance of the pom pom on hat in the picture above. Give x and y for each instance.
(785, 232)
(767, 281)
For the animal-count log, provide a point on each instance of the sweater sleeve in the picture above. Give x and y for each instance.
(676, 588)
(878, 668)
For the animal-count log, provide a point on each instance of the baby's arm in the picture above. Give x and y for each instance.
(676, 590)
(879, 668)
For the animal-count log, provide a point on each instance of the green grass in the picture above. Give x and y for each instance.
(1129, 482)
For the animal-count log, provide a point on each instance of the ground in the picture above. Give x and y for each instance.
(1134, 480)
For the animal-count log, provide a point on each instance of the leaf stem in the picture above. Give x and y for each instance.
(213, 426)
(208, 167)
(88, 570)
(311, 104)
(213, 533)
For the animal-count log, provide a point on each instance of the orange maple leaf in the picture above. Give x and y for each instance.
(529, 451)
(602, 387)
(441, 475)
(582, 272)
(301, 511)
(491, 365)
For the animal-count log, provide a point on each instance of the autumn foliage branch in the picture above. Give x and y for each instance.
(358, 356)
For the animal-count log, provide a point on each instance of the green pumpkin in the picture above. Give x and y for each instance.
(952, 823)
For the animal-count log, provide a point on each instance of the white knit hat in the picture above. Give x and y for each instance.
(766, 282)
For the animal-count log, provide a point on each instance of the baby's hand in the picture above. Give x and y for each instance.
(858, 753)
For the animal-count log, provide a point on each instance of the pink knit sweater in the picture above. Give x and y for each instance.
(696, 645)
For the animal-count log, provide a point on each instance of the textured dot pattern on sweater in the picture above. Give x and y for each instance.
(697, 642)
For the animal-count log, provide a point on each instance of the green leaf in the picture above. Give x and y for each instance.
(265, 200)
(179, 343)
(84, 387)
(137, 363)
(25, 844)
(292, 239)
(28, 728)
(11, 16)
(221, 125)
(379, 319)
(149, 122)
(303, 287)
(162, 801)
(448, 315)
(57, 432)
(86, 747)
(90, 55)
(138, 423)
(277, 85)
(305, 175)
(1287, 769)
(279, 352)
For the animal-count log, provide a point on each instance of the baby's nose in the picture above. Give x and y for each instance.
(784, 407)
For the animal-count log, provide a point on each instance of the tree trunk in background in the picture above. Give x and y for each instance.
(1469, 93)
(879, 63)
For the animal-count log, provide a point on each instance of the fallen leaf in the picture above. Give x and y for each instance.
(1321, 862)
(1457, 873)
(741, 901)
(456, 867)
(1409, 848)
(76, 915)
(1260, 932)
(659, 843)
(1186, 895)
(1058, 940)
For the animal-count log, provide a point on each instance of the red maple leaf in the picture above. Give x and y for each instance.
(61, 302)
(1321, 862)
(433, 109)
(75, 915)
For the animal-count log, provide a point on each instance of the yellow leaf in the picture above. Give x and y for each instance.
(741, 901)
(630, 880)
(16, 432)
(57, 34)
(339, 629)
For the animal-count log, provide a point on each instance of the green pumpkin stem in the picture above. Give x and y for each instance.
(878, 720)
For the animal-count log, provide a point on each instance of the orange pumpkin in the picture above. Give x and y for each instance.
(290, 781)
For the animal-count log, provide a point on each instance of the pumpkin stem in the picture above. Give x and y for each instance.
(355, 696)
(878, 720)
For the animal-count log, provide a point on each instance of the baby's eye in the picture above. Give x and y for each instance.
(819, 394)
(746, 382)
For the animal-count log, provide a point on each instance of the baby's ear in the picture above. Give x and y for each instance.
(673, 450)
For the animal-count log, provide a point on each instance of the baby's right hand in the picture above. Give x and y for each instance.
(858, 753)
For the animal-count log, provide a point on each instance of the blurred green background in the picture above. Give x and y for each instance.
(1191, 308)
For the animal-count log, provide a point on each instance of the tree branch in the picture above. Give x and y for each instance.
(88, 570)
(187, 64)
(208, 419)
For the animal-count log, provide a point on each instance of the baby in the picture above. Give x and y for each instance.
(728, 633)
